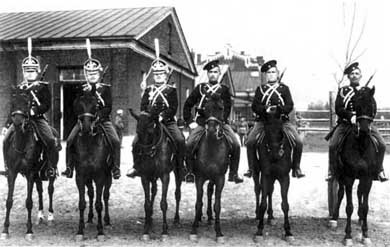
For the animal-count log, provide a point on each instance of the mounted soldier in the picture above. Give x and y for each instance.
(39, 103)
(93, 72)
(198, 97)
(274, 96)
(346, 112)
(160, 99)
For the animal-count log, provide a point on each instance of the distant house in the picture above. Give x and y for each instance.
(244, 77)
(122, 39)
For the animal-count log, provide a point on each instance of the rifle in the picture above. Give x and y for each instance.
(330, 134)
(44, 72)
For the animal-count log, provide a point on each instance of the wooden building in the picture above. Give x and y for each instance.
(122, 39)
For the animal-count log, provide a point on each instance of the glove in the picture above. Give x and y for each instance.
(33, 111)
(160, 118)
(87, 87)
(3, 131)
(353, 119)
(193, 125)
(271, 109)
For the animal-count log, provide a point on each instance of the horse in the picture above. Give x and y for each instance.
(24, 154)
(92, 153)
(275, 163)
(357, 160)
(154, 153)
(211, 163)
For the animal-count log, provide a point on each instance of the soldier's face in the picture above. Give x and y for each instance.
(355, 76)
(30, 75)
(93, 77)
(213, 74)
(160, 78)
(272, 74)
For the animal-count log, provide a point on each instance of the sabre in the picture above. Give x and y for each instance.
(369, 80)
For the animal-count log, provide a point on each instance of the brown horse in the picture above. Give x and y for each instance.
(275, 164)
(92, 159)
(211, 163)
(24, 154)
(155, 153)
(358, 161)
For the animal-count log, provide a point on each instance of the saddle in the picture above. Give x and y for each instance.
(291, 139)
(228, 140)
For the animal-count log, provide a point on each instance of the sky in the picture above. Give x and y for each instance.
(308, 38)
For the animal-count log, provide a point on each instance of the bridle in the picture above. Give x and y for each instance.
(91, 115)
(218, 133)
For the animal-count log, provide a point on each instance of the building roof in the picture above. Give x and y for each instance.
(246, 80)
(130, 22)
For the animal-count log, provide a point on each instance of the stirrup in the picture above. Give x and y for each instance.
(189, 177)
(50, 172)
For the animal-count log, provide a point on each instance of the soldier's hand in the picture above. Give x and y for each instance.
(87, 87)
(3, 131)
(32, 112)
(271, 109)
(193, 125)
(160, 117)
(353, 119)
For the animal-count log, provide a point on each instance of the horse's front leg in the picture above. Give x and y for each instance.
(219, 184)
(50, 189)
(256, 181)
(81, 187)
(106, 198)
(284, 186)
(210, 191)
(11, 187)
(38, 185)
(270, 211)
(29, 205)
(349, 211)
(199, 181)
(365, 185)
(164, 204)
(147, 207)
(99, 208)
(91, 195)
(178, 181)
(266, 184)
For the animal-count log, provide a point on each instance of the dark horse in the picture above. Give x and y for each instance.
(211, 163)
(155, 152)
(25, 155)
(275, 163)
(358, 161)
(92, 159)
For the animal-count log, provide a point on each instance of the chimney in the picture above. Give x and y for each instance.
(198, 58)
(242, 52)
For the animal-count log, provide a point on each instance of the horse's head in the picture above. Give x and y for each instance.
(274, 139)
(146, 123)
(19, 109)
(86, 108)
(365, 106)
(213, 111)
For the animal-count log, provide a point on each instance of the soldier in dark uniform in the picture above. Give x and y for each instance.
(40, 103)
(161, 98)
(272, 96)
(93, 74)
(345, 111)
(199, 96)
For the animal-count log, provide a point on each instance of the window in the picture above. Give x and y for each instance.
(72, 75)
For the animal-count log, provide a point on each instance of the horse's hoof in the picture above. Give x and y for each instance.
(164, 237)
(366, 241)
(50, 217)
(333, 224)
(39, 221)
(79, 237)
(221, 240)
(145, 237)
(348, 242)
(289, 239)
(194, 237)
(258, 238)
(29, 236)
(101, 237)
(4, 236)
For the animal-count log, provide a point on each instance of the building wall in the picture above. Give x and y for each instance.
(125, 73)
(161, 31)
